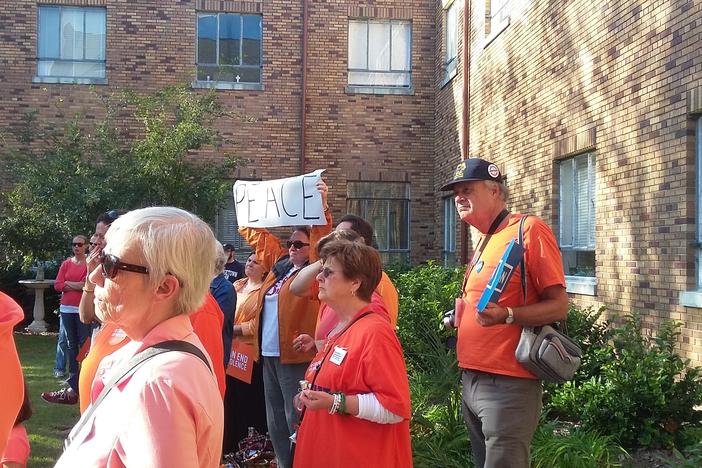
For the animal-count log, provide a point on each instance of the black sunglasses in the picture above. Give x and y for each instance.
(77, 244)
(112, 264)
(297, 244)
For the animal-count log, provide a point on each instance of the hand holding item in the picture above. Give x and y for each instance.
(492, 315)
(323, 190)
(315, 400)
(303, 343)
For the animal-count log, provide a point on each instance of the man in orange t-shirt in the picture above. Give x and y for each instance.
(501, 399)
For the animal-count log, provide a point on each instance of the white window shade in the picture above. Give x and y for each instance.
(358, 44)
(379, 53)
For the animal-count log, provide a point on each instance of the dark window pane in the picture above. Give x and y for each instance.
(252, 40)
(207, 39)
(398, 222)
(376, 213)
(229, 39)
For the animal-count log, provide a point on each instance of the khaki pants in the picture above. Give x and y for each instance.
(501, 414)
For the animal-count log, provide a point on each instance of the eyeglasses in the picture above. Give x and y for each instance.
(112, 264)
(326, 272)
(297, 244)
(77, 244)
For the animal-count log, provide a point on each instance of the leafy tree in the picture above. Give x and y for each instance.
(141, 153)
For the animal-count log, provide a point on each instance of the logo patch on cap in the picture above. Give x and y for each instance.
(459, 170)
(493, 171)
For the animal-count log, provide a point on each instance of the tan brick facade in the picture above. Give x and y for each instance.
(618, 78)
(360, 137)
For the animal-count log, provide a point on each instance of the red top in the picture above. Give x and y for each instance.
(70, 271)
(10, 370)
(328, 318)
(373, 364)
(491, 349)
(207, 324)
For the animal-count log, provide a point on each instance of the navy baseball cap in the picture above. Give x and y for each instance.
(474, 169)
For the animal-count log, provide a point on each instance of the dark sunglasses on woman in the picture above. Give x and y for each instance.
(111, 264)
(297, 244)
(77, 244)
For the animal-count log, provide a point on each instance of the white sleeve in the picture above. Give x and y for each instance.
(370, 409)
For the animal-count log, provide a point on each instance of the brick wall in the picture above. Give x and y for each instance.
(618, 73)
(152, 43)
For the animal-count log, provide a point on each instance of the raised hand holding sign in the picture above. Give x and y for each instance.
(280, 202)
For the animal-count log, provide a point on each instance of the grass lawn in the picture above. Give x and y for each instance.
(49, 424)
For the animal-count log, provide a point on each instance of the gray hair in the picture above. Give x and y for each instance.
(220, 260)
(504, 191)
(172, 241)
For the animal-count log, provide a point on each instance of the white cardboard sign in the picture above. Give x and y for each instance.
(293, 201)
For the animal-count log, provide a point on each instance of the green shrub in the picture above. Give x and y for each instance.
(578, 448)
(425, 293)
(643, 395)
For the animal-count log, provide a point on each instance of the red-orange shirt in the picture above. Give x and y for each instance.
(207, 324)
(10, 370)
(373, 364)
(491, 349)
(109, 339)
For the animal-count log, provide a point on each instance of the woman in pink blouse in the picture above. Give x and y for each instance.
(69, 282)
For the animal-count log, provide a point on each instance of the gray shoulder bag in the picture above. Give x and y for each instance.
(544, 351)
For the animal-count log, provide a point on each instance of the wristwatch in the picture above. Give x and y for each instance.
(510, 315)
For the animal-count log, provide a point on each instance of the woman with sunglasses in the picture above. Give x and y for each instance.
(356, 404)
(166, 410)
(244, 404)
(69, 282)
(282, 316)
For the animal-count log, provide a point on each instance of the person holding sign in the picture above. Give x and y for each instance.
(283, 316)
(501, 399)
(356, 407)
(244, 403)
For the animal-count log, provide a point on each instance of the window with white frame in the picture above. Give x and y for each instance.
(70, 42)
(229, 47)
(380, 53)
(450, 217)
(450, 38)
(227, 229)
(497, 17)
(385, 205)
(577, 215)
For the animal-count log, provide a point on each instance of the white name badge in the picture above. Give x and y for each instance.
(338, 355)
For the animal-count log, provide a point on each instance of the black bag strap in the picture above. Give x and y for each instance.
(130, 366)
(483, 242)
(522, 273)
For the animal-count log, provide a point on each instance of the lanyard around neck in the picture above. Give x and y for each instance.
(483, 242)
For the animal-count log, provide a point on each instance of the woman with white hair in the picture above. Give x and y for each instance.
(155, 401)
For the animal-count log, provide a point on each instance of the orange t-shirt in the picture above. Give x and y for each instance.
(207, 323)
(109, 339)
(373, 363)
(17, 450)
(491, 349)
(10, 370)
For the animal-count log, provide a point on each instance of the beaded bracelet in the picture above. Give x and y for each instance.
(335, 404)
(342, 405)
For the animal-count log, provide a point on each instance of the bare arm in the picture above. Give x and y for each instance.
(552, 307)
(86, 308)
(300, 285)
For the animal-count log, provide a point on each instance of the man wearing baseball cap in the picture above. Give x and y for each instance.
(501, 399)
(233, 269)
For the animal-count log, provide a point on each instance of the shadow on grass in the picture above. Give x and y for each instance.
(49, 424)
